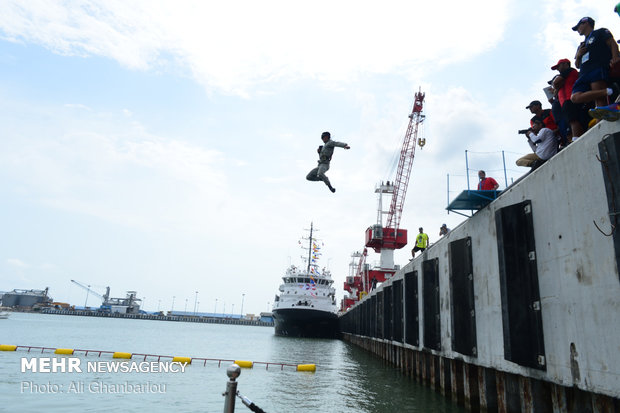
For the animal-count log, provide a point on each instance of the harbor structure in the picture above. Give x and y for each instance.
(180, 316)
(130, 304)
(518, 308)
(26, 298)
(385, 235)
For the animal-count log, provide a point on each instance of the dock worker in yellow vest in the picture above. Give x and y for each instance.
(421, 242)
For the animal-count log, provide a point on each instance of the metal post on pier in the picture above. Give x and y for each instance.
(233, 371)
(467, 168)
(505, 176)
(448, 191)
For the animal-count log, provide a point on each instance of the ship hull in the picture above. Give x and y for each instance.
(300, 322)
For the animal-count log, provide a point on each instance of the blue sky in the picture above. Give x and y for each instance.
(163, 146)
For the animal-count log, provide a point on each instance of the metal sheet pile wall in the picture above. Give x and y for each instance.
(522, 300)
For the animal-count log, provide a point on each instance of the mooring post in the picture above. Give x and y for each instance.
(233, 371)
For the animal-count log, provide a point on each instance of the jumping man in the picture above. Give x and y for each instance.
(325, 156)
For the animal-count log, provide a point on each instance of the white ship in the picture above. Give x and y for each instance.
(306, 305)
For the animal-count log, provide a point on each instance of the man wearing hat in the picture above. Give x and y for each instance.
(545, 114)
(574, 113)
(443, 230)
(594, 57)
(421, 242)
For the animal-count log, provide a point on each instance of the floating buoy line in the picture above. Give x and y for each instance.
(156, 357)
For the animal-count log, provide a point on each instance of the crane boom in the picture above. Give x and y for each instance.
(386, 239)
(405, 163)
(87, 288)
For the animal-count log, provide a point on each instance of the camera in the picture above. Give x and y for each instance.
(523, 131)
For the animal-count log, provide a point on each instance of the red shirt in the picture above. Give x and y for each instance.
(548, 120)
(487, 184)
(566, 90)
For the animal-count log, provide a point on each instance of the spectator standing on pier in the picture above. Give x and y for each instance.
(543, 143)
(421, 242)
(574, 113)
(443, 230)
(486, 183)
(556, 110)
(594, 57)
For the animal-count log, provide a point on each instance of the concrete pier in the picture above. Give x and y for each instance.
(518, 308)
(186, 319)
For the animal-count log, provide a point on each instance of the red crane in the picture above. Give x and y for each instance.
(405, 162)
(385, 239)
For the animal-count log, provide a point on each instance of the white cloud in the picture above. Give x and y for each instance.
(235, 213)
(234, 45)
(17, 263)
(110, 167)
(77, 106)
(563, 15)
(14, 262)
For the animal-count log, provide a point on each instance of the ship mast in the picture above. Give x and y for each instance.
(310, 248)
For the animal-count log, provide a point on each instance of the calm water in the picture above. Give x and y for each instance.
(347, 378)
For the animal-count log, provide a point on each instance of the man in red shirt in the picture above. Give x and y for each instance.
(563, 83)
(486, 184)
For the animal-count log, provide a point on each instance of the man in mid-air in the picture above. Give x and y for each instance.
(325, 156)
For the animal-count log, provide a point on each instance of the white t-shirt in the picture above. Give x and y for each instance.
(546, 145)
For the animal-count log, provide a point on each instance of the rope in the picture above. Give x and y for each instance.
(249, 403)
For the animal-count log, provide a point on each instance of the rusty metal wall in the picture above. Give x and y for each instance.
(481, 389)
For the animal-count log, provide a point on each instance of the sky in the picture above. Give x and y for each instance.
(162, 146)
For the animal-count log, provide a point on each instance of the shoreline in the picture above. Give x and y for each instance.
(187, 319)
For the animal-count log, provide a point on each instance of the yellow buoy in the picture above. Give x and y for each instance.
(119, 355)
(7, 347)
(186, 360)
(63, 351)
(244, 364)
(306, 367)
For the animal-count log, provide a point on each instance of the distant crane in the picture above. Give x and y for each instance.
(103, 298)
(385, 239)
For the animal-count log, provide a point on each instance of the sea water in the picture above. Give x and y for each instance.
(347, 379)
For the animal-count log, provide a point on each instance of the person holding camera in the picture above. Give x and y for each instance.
(542, 141)
(443, 230)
